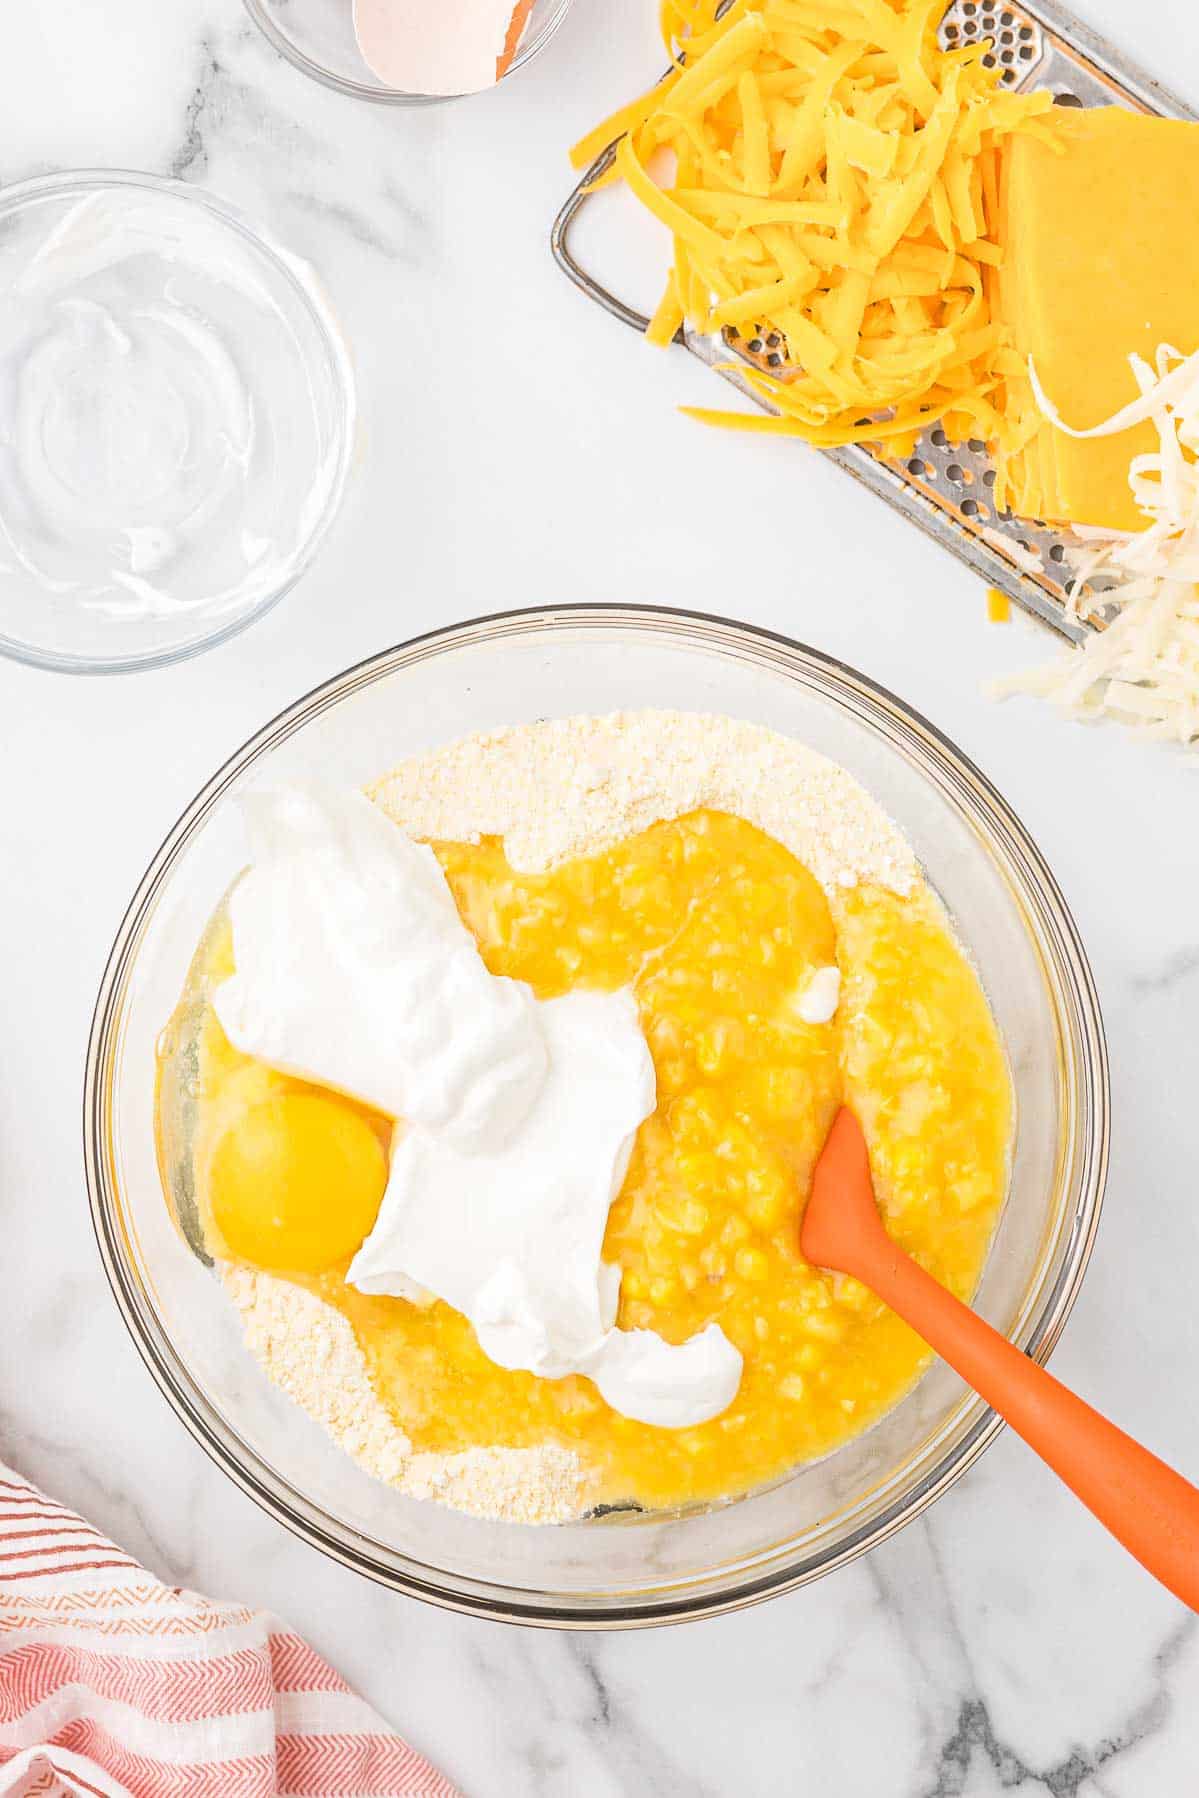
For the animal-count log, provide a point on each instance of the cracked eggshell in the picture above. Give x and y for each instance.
(445, 48)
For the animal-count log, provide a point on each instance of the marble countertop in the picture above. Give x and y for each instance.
(519, 447)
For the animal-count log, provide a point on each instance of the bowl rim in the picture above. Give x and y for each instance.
(303, 280)
(979, 1425)
(278, 39)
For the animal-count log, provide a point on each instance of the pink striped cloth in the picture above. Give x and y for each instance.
(114, 1684)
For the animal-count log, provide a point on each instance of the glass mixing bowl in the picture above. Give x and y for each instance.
(180, 418)
(624, 1568)
(318, 37)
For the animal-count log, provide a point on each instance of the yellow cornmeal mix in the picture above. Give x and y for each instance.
(717, 927)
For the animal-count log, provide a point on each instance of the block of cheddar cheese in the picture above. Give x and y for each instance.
(1100, 258)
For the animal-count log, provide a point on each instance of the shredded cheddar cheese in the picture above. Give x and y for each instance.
(834, 181)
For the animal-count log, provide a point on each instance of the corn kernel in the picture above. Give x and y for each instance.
(824, 1327)
(851, 1293)
(765, 1209)
(693, 1218)
(712, 1260)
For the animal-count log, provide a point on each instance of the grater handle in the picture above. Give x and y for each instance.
(560, 246)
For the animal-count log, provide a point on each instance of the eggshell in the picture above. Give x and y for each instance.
(439, 46)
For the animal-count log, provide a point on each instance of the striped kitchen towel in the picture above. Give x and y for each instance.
(114, 1684)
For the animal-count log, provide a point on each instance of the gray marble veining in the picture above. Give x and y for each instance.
(1001, 1644)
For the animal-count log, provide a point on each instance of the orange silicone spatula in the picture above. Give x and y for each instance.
(1148, 1507)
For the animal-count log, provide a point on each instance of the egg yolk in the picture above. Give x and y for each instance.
(296, 1182)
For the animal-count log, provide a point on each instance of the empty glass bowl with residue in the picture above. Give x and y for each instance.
(176, 420)
(318, 37)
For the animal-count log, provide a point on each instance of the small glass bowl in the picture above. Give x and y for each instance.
(318, 37)
(623, 1569)
(278, 321)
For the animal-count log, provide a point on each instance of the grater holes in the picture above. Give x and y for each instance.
(1001, 31)
(766, 349)
(960, 479)
(1057, 553)
(1065, 98)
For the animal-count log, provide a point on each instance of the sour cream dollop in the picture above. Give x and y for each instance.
(354, 970)
(820, 996)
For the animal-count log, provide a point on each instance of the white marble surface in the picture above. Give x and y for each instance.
(519, 447)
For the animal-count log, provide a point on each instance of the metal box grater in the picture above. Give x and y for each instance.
(945, 488)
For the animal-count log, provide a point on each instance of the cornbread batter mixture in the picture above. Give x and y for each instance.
(716, 869)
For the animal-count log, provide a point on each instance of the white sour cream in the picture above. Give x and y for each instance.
(820, 997)
(354, 970)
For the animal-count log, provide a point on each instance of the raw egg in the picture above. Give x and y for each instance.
(296, 1182)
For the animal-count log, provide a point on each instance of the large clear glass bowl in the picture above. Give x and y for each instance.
(622, 1569)
(318, 37)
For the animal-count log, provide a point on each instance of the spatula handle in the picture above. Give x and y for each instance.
(1148, 1507)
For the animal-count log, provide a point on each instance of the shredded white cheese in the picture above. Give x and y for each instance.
(1143, 668)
